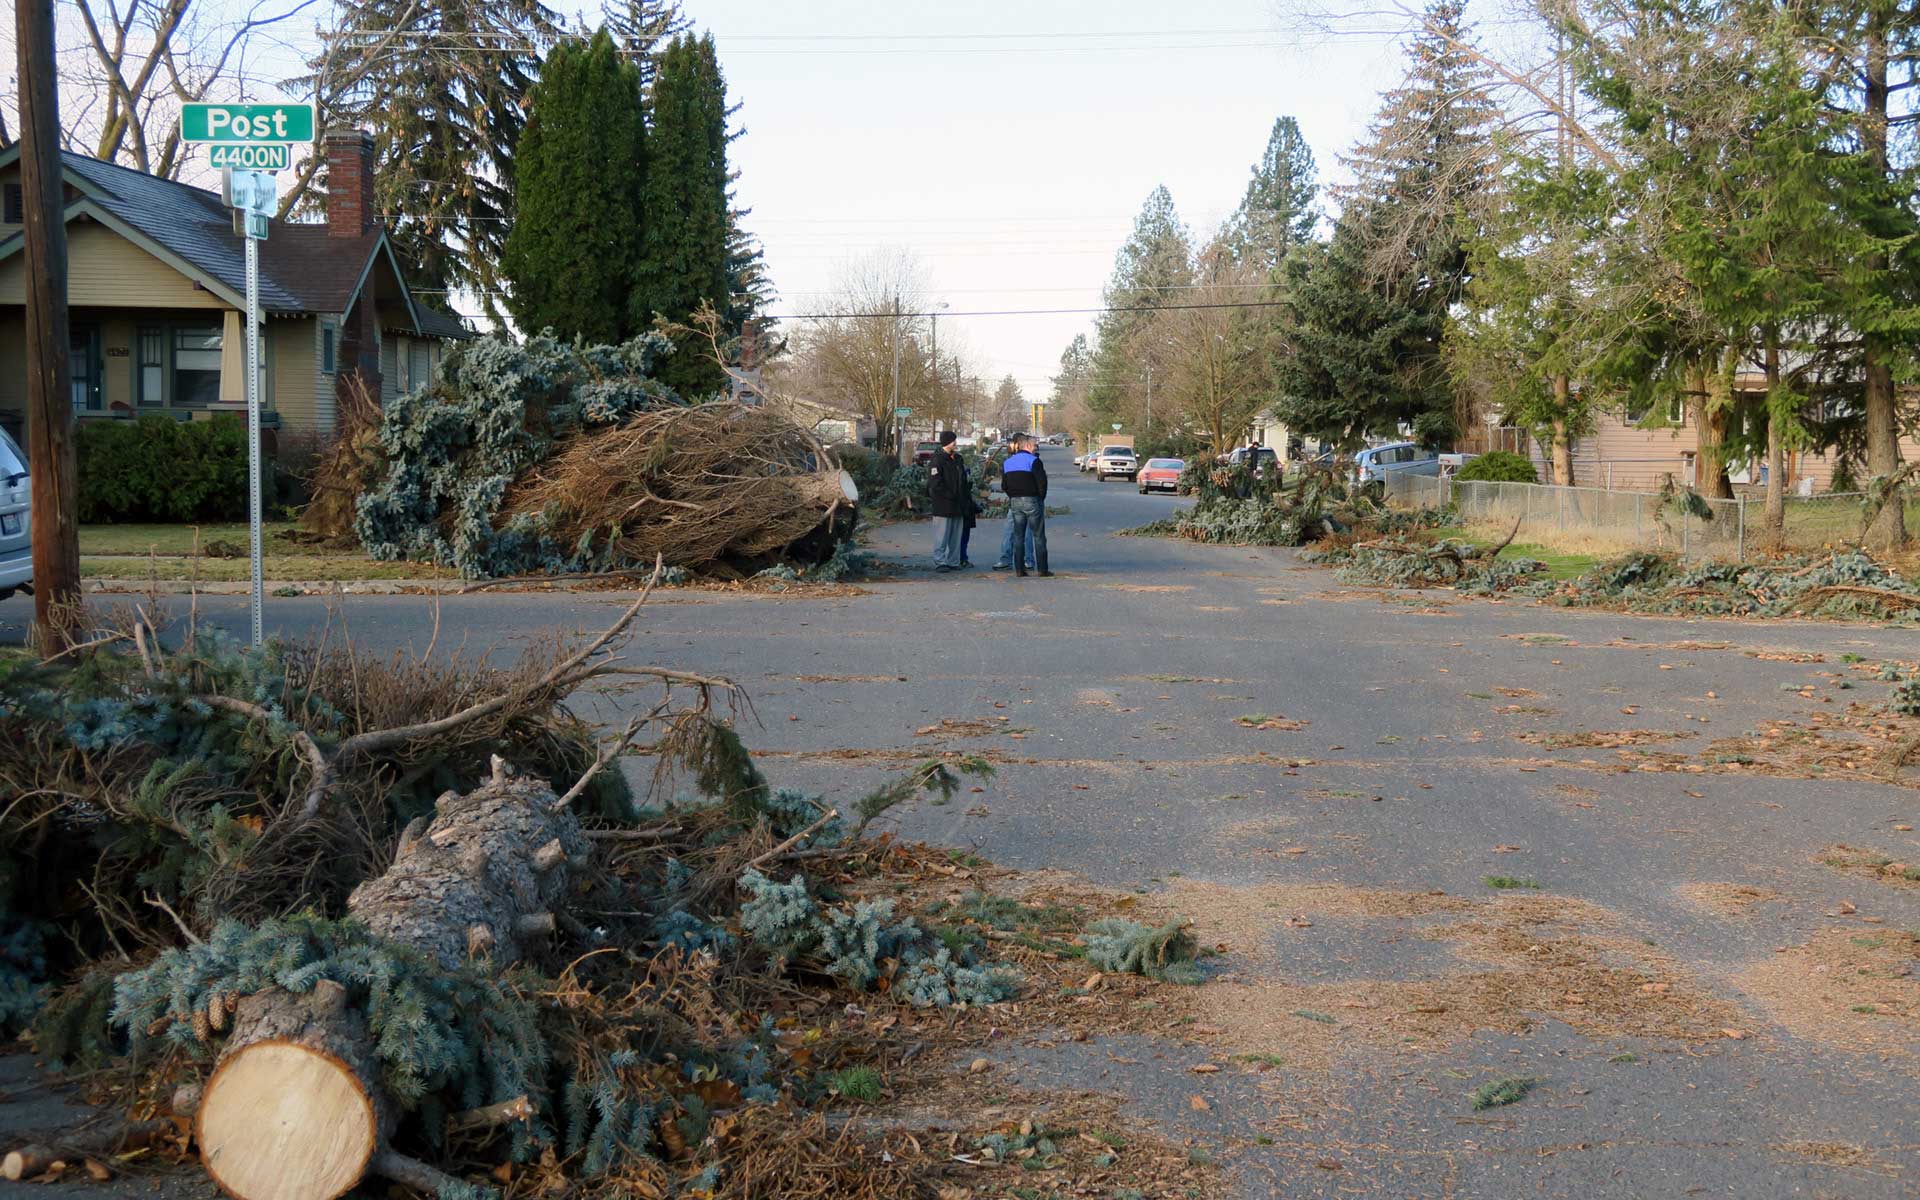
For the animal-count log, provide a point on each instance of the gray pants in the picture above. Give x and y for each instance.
(946, 540)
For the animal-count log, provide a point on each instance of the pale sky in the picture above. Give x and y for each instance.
(1009, 146)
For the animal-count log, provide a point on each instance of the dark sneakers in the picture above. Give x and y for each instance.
(1045, 574)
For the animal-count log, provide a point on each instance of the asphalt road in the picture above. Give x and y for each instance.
(1122, 760)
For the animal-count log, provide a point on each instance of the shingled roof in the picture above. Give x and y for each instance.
(303, 268)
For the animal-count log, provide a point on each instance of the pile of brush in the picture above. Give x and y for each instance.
(545, 458)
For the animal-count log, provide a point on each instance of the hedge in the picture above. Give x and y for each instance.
(1499, 466)
(157, 468)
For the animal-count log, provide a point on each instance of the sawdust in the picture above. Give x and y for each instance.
(1727, 899)
(1147, 588)
(1244, 917)
(1871, 864)
(844, 678)
(1097, 1149)
(1850, 988)
(1837, 1154)
(1544, 957)
(1602, 739)
(948, 727)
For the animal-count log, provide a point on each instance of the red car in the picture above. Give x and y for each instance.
(924, 452)
(1160, 475)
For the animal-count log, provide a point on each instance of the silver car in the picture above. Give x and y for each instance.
(16, 535)
(1373, 465)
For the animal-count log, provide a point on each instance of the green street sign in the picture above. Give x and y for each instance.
(250, 157)
(902, 412)
(254, 123)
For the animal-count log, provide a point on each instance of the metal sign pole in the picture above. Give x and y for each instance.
(253, 426)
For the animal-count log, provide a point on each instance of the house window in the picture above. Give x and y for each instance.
(83, 364)
(196, 366)
(15, 206)
(329, 346)
(152, 366)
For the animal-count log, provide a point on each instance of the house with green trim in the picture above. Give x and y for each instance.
(156, 294)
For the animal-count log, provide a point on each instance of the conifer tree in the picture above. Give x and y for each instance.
(1277, 212)
(643, 29)
(444, 104)
(578, 180)
(685, 251)
(1153, 269)
(1365, 330)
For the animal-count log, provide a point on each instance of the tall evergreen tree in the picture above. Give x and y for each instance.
(578, 179)
(444, 102)
(685, 252)
(1277, 212)
(643, 29)
(1402, 239)
(1868, 53)
(1153, 269)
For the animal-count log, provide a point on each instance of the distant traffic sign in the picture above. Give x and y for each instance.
(255, 123)
(249, 157)
(902, 412)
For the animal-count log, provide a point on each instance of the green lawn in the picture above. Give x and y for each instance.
(168, 552)
(1561, 564)
(181, 539)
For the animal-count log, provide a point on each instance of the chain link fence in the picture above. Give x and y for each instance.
(1597, 520)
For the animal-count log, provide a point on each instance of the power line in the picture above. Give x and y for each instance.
(1029, 312)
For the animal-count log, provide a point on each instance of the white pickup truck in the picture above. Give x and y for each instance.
(1116, 460)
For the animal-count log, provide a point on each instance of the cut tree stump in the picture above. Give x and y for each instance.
(294, 1108)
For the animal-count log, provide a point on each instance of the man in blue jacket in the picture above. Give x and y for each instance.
(1024, 478)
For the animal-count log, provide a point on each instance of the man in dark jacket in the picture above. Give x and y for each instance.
(952, 501)
(1024, 478)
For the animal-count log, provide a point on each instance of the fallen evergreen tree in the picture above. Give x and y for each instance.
(296, 889)
(540, 457)
(1236, 505)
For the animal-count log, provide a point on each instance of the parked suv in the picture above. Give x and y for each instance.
(1372, 465)
(1116, 460)
(1264, 458)
(16, 534)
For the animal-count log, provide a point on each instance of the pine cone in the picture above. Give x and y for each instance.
(217, 1012)
(201, 1026)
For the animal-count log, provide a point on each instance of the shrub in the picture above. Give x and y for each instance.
(1499, 466)
(157, 468)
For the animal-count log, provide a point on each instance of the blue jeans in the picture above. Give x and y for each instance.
(946, 540)
(1027, 519)
(1006, 544)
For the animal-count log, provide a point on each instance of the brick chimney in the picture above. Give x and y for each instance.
(350, 208)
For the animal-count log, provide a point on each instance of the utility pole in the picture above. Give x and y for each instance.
(899, 425)
(55, 503)
(1149, 402)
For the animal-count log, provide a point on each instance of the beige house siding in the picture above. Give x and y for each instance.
(104, 269)
(294, 373)
(1626, 458)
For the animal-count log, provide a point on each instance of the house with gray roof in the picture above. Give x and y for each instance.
(156, 294)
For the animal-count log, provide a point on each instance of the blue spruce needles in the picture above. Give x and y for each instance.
(1166, 953)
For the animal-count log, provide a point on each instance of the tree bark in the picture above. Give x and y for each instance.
(1889, 529)
(1562, 436)
(1710, 464)
(1776, 519)
(294, 1109)
(55, 500)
